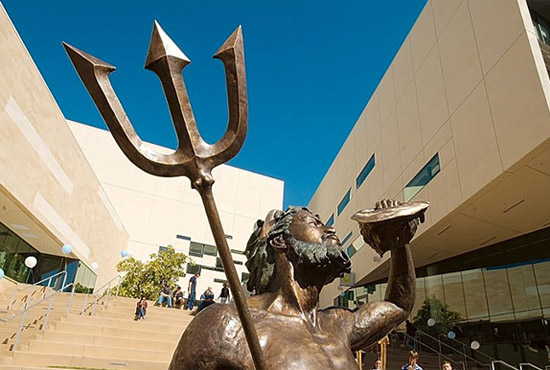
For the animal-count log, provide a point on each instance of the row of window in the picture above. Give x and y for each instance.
(422, 178)
(193, 269)
(200, 249)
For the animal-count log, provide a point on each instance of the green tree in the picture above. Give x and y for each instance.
(146, 279)
(433, 308)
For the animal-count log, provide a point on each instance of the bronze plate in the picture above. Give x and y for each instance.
(374, 215)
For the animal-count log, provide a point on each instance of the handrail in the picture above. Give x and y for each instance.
(50, 278)
(502, 363)
(46, 316)
(439, 354)
(456, 350)
(464, 345)
(521, 365)
(27, 308)
(98, 294)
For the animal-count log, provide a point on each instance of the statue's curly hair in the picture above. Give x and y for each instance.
(260, 256)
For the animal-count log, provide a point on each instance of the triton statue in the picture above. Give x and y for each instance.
(291, 255)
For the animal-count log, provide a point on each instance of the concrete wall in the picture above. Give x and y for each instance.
(43, 170)
(156, 209)
(469, 83)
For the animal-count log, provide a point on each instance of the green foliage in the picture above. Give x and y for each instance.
(147, 278)
(79, 288)
(433, 308)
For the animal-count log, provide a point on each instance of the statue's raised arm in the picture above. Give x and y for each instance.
(390, 226)
(292, 255)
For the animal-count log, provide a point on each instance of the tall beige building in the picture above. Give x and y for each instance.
(67, 183)
(161, 211)
(461, 119)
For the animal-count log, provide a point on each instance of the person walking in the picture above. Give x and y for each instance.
(224, 295)
(192, 291)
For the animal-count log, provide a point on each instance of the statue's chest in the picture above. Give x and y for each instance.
(293, 344)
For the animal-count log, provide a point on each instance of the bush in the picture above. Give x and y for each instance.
(433, 308)
(146, 279)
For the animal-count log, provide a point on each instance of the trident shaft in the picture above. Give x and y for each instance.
(194, 158)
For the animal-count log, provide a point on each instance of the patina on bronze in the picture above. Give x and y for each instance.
(194, 157)
(291, 256)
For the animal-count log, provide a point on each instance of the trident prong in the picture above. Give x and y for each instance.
(194, 157)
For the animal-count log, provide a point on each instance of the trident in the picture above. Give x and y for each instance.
(194, 158)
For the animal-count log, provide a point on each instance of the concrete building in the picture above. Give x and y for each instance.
(160, 211)
(461, 119)
(66, 183)
(49, 195)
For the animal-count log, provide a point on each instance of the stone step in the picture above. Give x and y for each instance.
(91, 350)
(94, 325)
(152, 316)
(47, 360)
(103, 340)
(117, 332)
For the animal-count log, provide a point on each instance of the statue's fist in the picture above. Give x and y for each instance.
(390, 230)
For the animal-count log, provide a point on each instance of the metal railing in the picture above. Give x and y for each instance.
(465, 347)
(102, 292)
(494, 362)
(46, 316)
(462, 353)
(43, 284)
(419, 344)
(528, 364)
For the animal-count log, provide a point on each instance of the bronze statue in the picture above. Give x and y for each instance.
(291, 256)
(194, 157)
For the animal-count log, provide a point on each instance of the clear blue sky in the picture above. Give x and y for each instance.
(311, 68)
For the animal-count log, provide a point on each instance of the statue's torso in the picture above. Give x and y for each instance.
(287, 342)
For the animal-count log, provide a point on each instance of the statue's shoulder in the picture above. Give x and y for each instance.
(337, 315)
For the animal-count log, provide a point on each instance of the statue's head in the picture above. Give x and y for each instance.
(308, 244)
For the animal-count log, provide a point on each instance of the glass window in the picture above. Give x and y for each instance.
(330, 221)
(364, 172)
(423, 177)
(192, 269)
(454, 294)
(244, 276)
(542, 274)
(344, 202)
(498, 294)
(347, 238)
(236, 251)
(210, 250)
(523, 287)
(475, 295)
(351, 251)
(219, 265)
(195, 249)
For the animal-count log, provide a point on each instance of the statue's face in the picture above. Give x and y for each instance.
(314, 247)
(308, 228)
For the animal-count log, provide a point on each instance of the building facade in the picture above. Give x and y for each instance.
(461, 119)
(49, 195)
(62, 182)
(161, 211)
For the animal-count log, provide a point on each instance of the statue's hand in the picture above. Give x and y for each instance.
(392, 233)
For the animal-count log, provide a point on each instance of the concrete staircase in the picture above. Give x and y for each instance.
(110, 339)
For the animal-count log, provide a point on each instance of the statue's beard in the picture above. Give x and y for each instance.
(326, 260)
